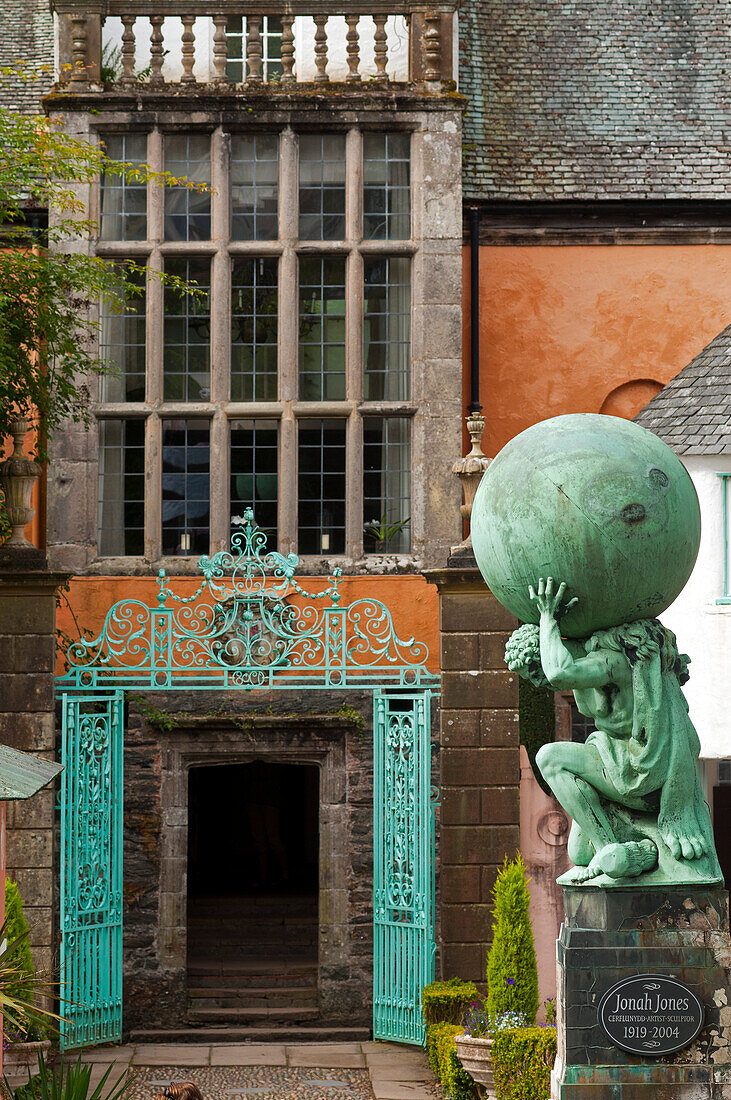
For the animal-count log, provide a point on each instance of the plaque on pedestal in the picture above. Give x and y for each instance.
(639, 967)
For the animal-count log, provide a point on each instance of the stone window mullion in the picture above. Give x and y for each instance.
(153, 493)
(288, 322)
(220, 340)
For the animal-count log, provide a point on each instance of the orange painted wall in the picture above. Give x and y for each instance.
(563, 327)
(412, 602)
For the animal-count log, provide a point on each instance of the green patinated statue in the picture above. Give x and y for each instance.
(588, 526)
(632, 789)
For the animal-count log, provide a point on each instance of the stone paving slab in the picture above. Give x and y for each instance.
(249, 1054)
(275, 1071)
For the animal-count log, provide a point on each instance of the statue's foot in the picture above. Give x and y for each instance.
(626, 860)
(576, 875)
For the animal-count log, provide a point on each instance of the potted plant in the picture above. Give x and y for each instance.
(512, 976)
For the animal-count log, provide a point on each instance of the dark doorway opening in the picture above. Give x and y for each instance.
(253, 868)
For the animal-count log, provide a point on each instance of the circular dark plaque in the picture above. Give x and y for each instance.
(651, 1015)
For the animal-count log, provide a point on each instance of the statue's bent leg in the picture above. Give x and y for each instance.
(569, 768)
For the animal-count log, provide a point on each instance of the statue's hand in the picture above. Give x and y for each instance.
(549, 602)
(681, 832)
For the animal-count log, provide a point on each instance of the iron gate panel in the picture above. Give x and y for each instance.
(91, 868)
(403, 872)
(250, 625)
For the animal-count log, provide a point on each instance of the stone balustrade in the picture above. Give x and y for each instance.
(133, 43)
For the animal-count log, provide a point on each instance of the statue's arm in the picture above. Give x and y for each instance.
(564, 671)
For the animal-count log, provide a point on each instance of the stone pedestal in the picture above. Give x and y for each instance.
(618, 933)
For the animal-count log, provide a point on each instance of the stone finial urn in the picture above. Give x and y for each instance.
(470, 469)
(18, 474)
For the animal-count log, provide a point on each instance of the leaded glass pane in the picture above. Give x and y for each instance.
(123, 202)
(254, 470)
(387, 328)
(185, 487)
(322, 187)
(271, 48)
(321, 487)
(121, 510)
(387, 187)
(254, 329)
(322, 328)
(254, 187)
(123, 343)
(188, 211)
(187, 333)
(386, 485)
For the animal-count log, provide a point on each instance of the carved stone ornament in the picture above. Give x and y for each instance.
(18, 474)
(470, 469)
(588, 527)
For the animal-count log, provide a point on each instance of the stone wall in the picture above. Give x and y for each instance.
(480, 765)
(27, 722)
(167, 735)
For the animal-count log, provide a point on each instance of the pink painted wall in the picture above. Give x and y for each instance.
(544, 829)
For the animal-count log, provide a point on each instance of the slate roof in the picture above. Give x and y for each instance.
(26, 35)
(693, 412)
(571, 99)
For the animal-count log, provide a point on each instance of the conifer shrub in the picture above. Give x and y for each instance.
(17, 925)
(512, 974)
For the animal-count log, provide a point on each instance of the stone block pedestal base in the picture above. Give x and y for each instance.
(610, 934)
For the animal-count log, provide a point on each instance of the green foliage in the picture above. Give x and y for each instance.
(512, 974)
(47, 337)
(445, 1065)
(446, 1002)
(73, 1082)
(18, 988)
(17, 930)
(537, 715)
(522, 1059)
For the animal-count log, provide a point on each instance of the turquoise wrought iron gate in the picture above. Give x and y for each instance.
(403, 864)
(249, 626)
(91, 868)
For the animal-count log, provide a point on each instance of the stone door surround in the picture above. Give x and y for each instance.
(342, 751)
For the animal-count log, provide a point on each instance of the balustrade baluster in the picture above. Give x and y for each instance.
(188, 40)
(156, 50)
(380, 47)
(253, 49)
(353, 47)
(128, 49)
(321, 49)
(219, 49)
(78, 48)
(287, 49)
(433, 45)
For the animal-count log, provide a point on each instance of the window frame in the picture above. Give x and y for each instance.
(289, 408)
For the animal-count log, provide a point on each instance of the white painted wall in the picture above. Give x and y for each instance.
(304, 34)
(702, 626)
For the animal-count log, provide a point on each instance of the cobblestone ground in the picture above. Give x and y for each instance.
(270, 1071)
(257, 1082)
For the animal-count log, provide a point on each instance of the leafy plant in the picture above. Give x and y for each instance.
(522, 1059)
(445, 1002)
(381, 531)
(47, 335)
(512, 974)
(445, 1065)
(18, 988)
(73, 1082)
(479, 1024)
(17, 930)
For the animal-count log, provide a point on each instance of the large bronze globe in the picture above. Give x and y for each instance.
(597, 502)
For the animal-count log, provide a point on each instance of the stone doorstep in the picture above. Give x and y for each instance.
(397, 1072)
